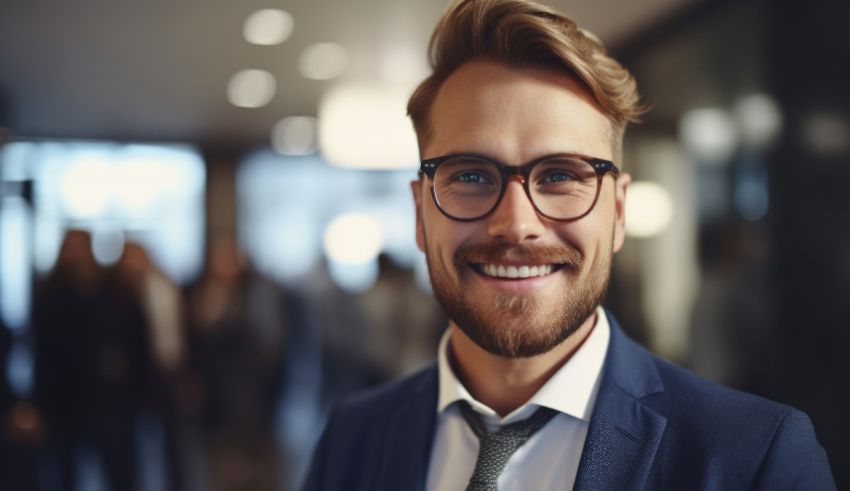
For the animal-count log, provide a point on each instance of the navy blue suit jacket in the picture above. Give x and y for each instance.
(654, 426)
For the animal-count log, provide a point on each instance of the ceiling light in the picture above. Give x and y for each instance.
(649, 209)
(323, 61)
(251, 88)
(268, 27)
(365, 126)
(295, 135)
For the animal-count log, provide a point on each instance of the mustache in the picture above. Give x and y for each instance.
(495, 252)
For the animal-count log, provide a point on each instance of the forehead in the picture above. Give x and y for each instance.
(515, 114)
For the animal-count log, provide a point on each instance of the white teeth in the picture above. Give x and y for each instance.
(513, 272)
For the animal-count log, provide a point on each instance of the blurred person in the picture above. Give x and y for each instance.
(160, 302)
(401, 321)
(159, 298)
(519, 210)
(237, 326)
(91, 368)
(339, 319)
(64, 319)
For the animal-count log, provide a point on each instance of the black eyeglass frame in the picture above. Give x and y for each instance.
(601, 166)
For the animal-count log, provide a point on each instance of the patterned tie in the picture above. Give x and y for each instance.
(497, 447)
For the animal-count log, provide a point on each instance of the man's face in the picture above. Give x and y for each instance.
(515, 115)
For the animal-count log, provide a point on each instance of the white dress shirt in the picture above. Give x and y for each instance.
(549, 459)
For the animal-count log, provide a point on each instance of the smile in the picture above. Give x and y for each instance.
(516, 271)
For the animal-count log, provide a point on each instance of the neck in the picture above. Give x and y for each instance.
(505, 384)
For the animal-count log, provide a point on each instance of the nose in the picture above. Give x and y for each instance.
(515, 219)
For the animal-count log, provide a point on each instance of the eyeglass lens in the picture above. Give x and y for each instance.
(561, 188)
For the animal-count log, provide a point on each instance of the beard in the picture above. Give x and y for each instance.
(513, 325)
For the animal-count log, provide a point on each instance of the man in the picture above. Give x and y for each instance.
(520, 207)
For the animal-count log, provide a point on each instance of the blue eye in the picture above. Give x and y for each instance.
(557, 177)
(471, 178)
(467, 175)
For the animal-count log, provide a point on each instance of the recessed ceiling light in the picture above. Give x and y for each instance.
(268, 27)
(251, 88)
(323, 61)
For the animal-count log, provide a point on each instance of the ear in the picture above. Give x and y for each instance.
(416, 189)
(621, 186)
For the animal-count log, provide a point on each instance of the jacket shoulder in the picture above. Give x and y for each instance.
(379, 402)
(729, 436)
(711, 405)
(352, 447)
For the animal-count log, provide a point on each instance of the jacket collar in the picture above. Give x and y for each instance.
(410, 432)
(622, 439)
(624, 433)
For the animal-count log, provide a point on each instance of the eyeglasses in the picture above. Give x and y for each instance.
(562, 187)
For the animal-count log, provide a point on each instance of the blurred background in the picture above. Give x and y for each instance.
(206, 234)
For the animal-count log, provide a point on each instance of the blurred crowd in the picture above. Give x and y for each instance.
(138, 383)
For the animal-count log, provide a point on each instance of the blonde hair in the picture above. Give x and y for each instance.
(525, 33)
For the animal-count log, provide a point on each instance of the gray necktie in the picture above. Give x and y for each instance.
(497, 447)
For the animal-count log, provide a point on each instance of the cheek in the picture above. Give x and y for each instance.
(592, 236)
(440, 238)
(443, 237)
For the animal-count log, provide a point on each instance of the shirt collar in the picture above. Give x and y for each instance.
(571, 390)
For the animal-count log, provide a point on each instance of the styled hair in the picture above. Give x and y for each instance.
(523, 33)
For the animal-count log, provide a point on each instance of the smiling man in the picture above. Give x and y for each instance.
(519, 210)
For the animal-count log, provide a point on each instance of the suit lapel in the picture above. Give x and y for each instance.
(624, 434)
(408, 439)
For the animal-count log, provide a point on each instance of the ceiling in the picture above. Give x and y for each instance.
(158, 70)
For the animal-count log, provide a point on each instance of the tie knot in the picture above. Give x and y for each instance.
(496, 448)
(523, 428)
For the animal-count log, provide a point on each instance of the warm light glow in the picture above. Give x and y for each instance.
(268, 27)
(295, 135)
(649, 209)
(251, 88)
(323, 61)
(709, 134)
(353, 238)
(24, 416)
(365, 126)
